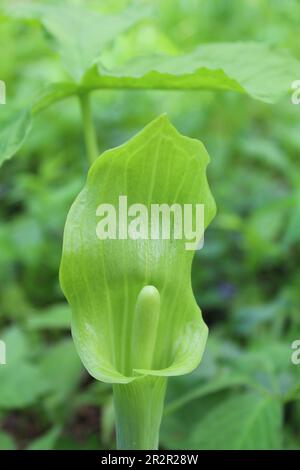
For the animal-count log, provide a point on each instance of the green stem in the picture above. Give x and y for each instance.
(88, 128)
(138, 410)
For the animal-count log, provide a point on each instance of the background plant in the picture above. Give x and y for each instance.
(246, 280)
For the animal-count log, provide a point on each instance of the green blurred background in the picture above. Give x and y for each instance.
(246, 392)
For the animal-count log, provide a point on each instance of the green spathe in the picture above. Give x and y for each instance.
(102, 279)
(135, 320)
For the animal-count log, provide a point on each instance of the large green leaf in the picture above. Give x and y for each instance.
(215, 385)
(15, 124)
(254, 69)
(251, 68)
(14, 128)
(62, 370)
(245, 421)
(102, 279)
(21, 382)
(78, 33)
(46, 441)
(6, 441)
(52, 318)
(21, 385)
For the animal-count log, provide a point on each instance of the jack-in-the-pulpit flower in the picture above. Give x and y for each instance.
(127, 274)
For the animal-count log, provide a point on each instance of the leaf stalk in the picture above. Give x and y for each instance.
(88, 128)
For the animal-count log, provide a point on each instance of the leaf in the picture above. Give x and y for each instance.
(16, 343)
(15, 125)
(292, 229)
(268, 367)
(55, 317)
(21, 385)
(215, 385)
(242, 422)
(21, 382)
(262, 229)
(14, 128)
(6, 441)
(249, 317)
(78, 33)
(254, 69)
(177, 428)
(52, 93)
(265, 152)
(47, 441)
(103, 278)
(62, 371)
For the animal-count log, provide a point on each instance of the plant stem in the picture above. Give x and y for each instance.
(88, 128)
(138, 410)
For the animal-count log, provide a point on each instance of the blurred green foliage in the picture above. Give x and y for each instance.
(246, 392)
